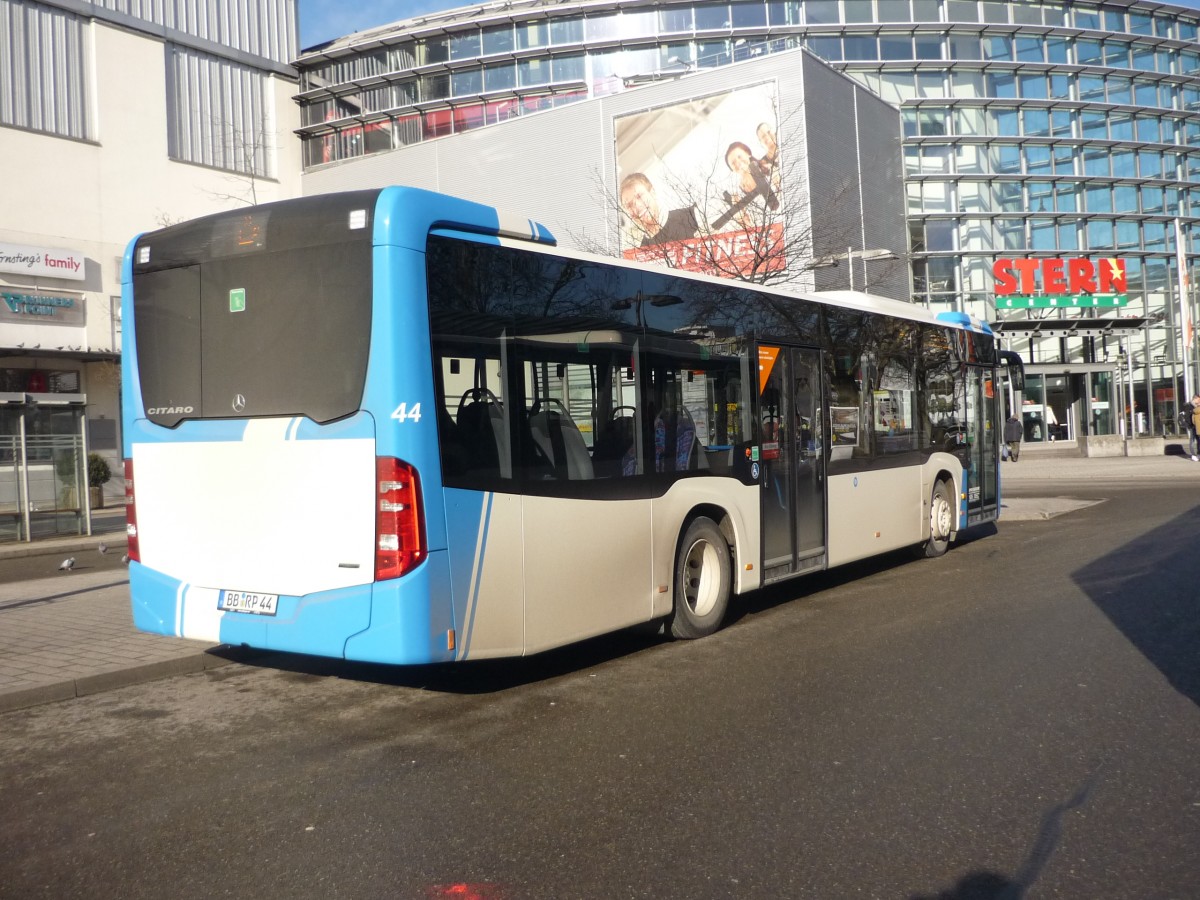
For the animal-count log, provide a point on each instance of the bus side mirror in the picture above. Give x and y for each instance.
(1015, 367)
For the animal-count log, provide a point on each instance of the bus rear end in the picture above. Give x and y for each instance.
(275, 498)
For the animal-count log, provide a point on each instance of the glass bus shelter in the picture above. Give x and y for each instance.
(43, 466)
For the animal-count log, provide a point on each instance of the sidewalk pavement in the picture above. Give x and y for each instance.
(69, 635)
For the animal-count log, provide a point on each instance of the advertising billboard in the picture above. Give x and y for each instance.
(700, 184)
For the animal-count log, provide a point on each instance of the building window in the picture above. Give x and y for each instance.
(1096, 162)
(995, 11)
(531, 34)
(1064, 159)
(858, 47)
(1002, 85)
(1056, 50)
(1068, 235)
(752, 14)
(1066, 198)
(498, 40)
(821, 12)
(566, 31)
(859, 11)
(962, 11)
(1086, 16)
(1006, 159)
(1033, 86)
(1004, 122)
(894, 11)
(713, 16)
(1099, 199)
(1037, 159)
(927, 47)
(501, 77)
(465, 45)
(219, 113)
(1100, 234)
(1043, 235)
(466, 82)
(1030, 49)
(1037, 121)
(675, 19)
(43, 85)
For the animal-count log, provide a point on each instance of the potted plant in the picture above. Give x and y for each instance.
(99, 474)
(68, 479)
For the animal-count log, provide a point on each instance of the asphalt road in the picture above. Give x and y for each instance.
(1016, 719)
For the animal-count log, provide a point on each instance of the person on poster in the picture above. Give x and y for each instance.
(751, 195)
(769, 162)
(639, 201)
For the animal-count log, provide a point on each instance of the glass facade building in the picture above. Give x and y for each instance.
(1032, 130)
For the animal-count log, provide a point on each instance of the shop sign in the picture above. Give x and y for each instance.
(1059, 283)
(40, 309)
(42, 262)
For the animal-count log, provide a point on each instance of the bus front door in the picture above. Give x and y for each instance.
(985, 420)
(793, 439)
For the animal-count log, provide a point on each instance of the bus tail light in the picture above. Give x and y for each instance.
(399, 528)
(131, 531)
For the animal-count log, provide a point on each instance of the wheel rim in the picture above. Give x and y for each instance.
(939, 517)
(701, 578)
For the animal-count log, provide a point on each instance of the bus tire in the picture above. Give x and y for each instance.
(702, 580)
(941, 521)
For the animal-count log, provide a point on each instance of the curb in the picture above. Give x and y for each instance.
(71, 545)
(214, 657)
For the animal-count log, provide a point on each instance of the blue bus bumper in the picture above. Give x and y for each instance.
(404, 621)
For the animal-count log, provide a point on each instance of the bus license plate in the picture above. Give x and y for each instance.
(248, 602)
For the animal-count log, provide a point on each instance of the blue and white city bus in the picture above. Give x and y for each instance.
(397, 426)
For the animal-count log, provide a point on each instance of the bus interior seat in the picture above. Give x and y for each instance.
(675, 442)
(559, 438)
(613, 446)
(481, 430)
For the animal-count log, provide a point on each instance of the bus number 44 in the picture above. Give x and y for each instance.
(404, 414)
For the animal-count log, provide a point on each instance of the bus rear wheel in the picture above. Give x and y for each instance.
(941, 522)
(702, 580)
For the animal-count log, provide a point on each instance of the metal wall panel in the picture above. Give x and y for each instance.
(833, 152)
(219, 113)
(261, 27)
(43, 66)
(881, 170)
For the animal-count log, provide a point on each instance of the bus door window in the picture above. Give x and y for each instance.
(893, 396)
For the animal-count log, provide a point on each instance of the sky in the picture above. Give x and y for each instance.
(323, 20)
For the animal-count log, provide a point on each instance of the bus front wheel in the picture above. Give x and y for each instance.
(702, 580)
(941, 521)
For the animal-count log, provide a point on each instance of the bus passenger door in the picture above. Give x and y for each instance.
(984, 418)
(793, 438)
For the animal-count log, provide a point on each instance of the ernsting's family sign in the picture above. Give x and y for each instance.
(43, 262)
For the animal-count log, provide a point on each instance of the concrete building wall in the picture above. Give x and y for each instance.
(88, 198)
(559, 166)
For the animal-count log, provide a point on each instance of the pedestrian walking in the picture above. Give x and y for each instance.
(1013, 432)
(1189, 417)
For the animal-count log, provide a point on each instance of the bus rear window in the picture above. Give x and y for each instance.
(281, 327)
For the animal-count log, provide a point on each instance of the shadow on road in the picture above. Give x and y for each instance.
(491, 676)
(1148, 589)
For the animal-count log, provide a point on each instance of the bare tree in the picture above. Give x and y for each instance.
(246, 154)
